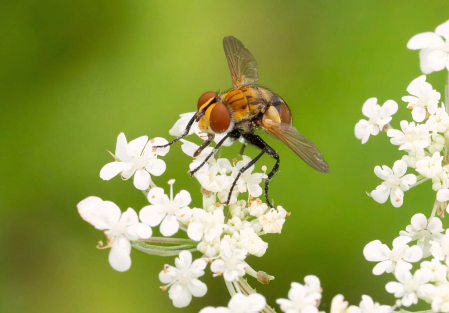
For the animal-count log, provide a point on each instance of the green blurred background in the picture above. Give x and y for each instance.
(74, 74)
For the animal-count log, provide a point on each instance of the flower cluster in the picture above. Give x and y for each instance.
(424, 140)
(229, 226)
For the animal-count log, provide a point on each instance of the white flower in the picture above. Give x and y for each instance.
(378, 118)
(235, 224)
(119, 228)
(423, 231)
(443, 195)
(367, 305)
(389, 260)
(231, 264)
(424, 98)
(138, 158)
(394, 185)
(440, 299)
(181, 125)
(254, 303)
(338, 305)
(430, 167)
(272, 221)
(183, 279)
(434, 49)
(440, 248)
(248, 181)
(239, 209)
(164, 209)
(257, 208)
(438, 270)
(212, 176)
(414, 156)
(210, 249)
(302, 298)
(437, 143)
(439, 121)
(251, 242)
(412, 137)
(209, 225)
(410, 287)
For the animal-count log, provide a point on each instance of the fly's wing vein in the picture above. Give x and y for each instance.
(241, 62)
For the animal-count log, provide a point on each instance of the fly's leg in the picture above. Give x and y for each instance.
(241, 171)
(243, 149)
(206, 143)
(184, 133)
(219, 144)
(258, 142)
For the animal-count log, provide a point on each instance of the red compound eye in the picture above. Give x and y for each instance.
(219, 118)
(206, 97)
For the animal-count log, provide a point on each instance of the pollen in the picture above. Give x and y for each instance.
(289, 213)
(100, 243)
(165, 270)
(219, 273)
(153, 150)
(218, 204)
(152, 140)
(397, 200)
(164, 288)
(234, 160)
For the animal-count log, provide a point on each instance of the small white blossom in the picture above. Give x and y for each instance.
(424, 98)
(138, 158)
(302, 298)
(254, 303)
(379, 116)
(210, 249)
(367, 305)
(164, 210)
(209, 225)
(434, 48)
(430, 167)
(119, 228)
(231, 264)
(248, 181)
(257, 208)
(235, 224)
(412, 136)
(437, 143)
(389, 260)
(183, 279)
(424, 231)
(239, 209)
(438, 270)
(439, 121)
(273, 220)
(394, 185)
(410, 287)
(212, 176)
(338, 305)
(443, 196)
(440, 248)
(440, 299)
(414, 156)
(251, 242)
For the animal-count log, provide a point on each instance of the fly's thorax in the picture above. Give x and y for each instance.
(247, 101)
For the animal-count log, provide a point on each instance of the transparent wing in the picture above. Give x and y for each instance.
(241, 62)
(302, 146)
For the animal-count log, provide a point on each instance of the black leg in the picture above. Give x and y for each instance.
(184, 133)
(206, 143)
(241, 171)
(219, 144)
(243, 149)
(258, 142)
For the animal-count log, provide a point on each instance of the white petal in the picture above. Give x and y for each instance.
(156, 196)
(152, 215)
(197, 288)
(414, 88)
(423, 61)
(394, 287)
(94, 211)
(413, 254)
(399, 168)
(129, 217)
(169, 226)
(183, 198)
(112, 169)
(121, 150)
(400, 242)
(188, 147)
(181, 124)
(402, 275)
(254, 190)
(136, 146)
(159, 141)
(389, 108)
(419, 221)
(140, 230)
(195, 231)
(184, 260)
(361, 129)
(142, 180)
(424, 40)
(422, 276)
(369, 106)
(443, 195)
(119, 257)
(381, 267)
(156, 167)
(380, 194)
(375, 251)
(181, 298)
(435, 225)
(443, 30)
(419, 114)
(437, 60)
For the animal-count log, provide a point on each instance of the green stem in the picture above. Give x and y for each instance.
(170, 241)
(162, 251)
